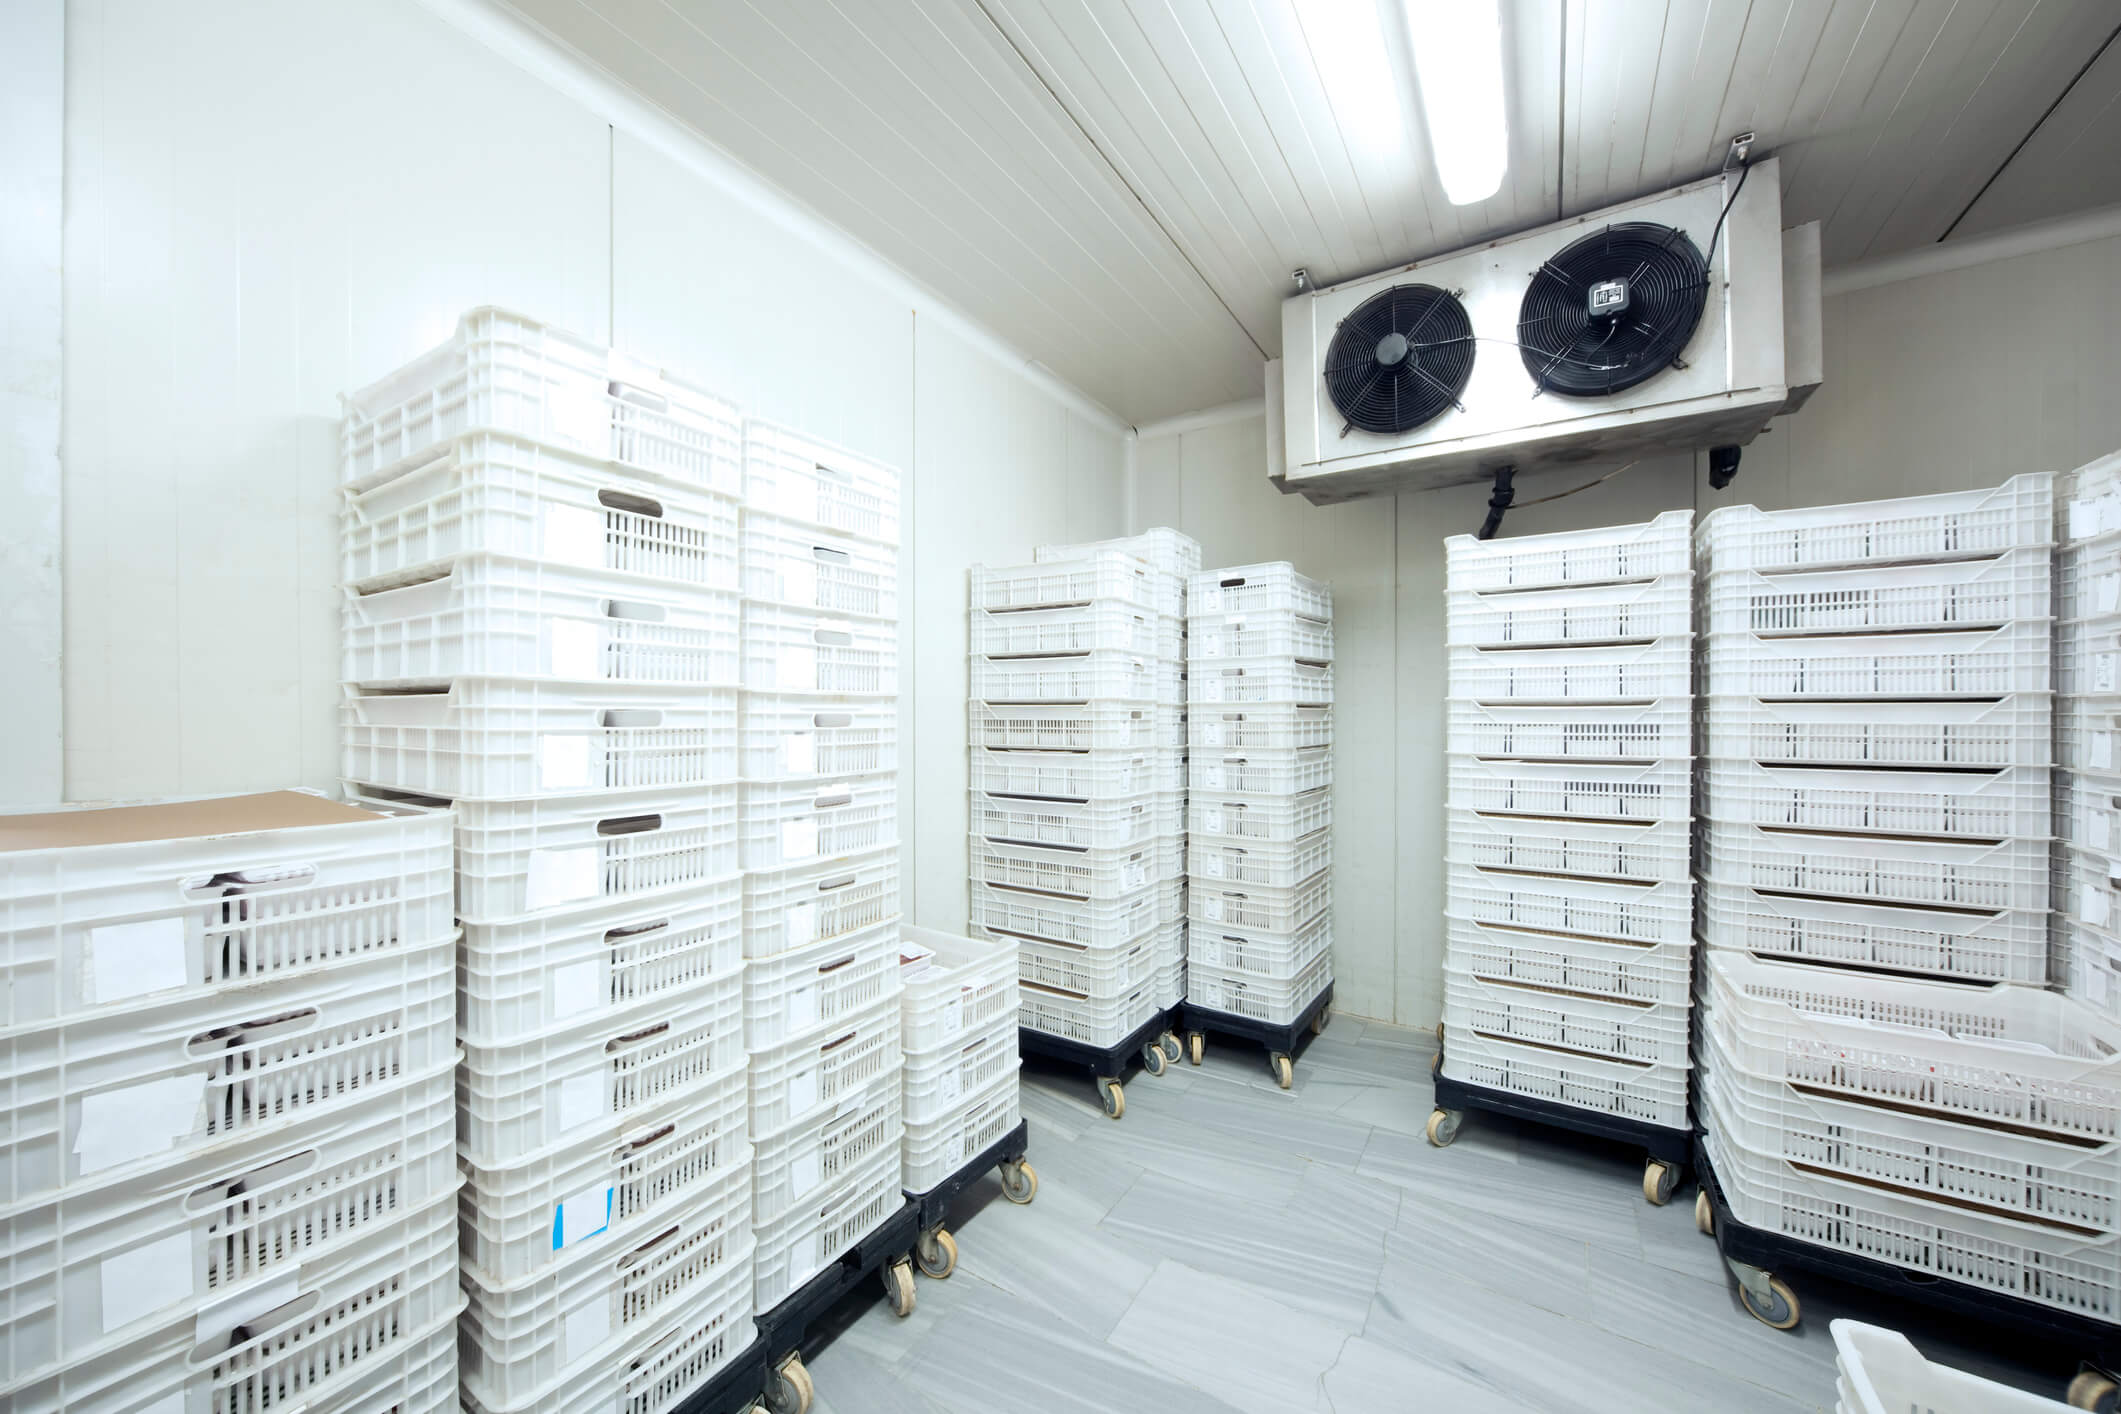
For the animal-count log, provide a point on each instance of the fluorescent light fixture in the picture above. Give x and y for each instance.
(1348, 44)
(1458, 60)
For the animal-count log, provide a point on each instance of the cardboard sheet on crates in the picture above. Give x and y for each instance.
(175, 820)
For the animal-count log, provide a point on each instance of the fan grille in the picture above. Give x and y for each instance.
(1400, 359)
(1569, 350)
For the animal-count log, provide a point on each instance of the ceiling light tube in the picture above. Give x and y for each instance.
(1458, 61)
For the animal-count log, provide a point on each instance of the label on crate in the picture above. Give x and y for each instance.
(2100, 747)
(1211, 602)
(796, 668)
(585, 1328)
(574, 648)
(953, 1085)
(799, 583)
(802, 1093)
(1211, 734)
(1207, 951)
(135, 1121)
(2099, 830)
(1212, 777)
(1211, 908)
(572, 535)
(142, 1279)
(799, 921)
(1211, 865)
(563, 763)
(799, 752)
(133, 959)
(2106, 592)
(579, 416)
(581, 1100)
(1213, 819)
(2094, 907)
(1211, 644)
(798, 839)
(562, 875)
(805, 1172)
(952, 1013)
(2103, 671)
(1133, 874)
(576, 988)
(802, 1008)
(584, 1215)
(1211, 690)
(218, 1318)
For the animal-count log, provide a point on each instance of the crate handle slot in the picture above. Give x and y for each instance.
(230, 883)
(630, 718)
(637, 396)
(833, 802)
(225, 1190)
(831, 555)
(246, 1331)
(832, 637)
(836, 965)
(831, 1046)
(635, 1038)
(402, 797)
(653, 1136)
(631, 504)
(826, 886)
(635, 930)
(640, 1254)
(629, 824)
(833, 473)
(425, 577)
(827, 721)
(238, 1034)
(1238, 582)
(629, 609)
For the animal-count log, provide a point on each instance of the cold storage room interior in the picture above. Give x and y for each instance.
(972, 704)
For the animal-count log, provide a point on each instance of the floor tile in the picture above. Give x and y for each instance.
(1250, 1351)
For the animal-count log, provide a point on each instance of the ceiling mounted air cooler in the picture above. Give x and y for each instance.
(1612, 309)
(1400, 359)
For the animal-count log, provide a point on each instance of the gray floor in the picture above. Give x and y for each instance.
(1232, 1246)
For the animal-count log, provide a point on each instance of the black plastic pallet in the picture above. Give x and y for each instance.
(1278, 1037)
(934, 1205)
(1671, 1147)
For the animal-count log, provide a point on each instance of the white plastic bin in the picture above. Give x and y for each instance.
(419, 1378)
(1097, 874)
(1272, 726)
(808, 568)
(1978, 663)
(1951, 525)
(1602, 613)
(1076, 677)
(940, 1082)
(1091, 1021)
(1584, 908)
(1662, 667)
(1659, 730)
(1254, 862)
(1632, 1032)
(1166, 549)
(822, 1069)
(1097, 574)
(1644, 852)
(789, 474)
(1077, 775)
(790, 822)
(785, 736)
(1260, 955)
(818, 900)
(793, 651)
(1102, 625)
(2012, 802)
(1573, 966)
(1241, 589)
(790, 994)
(1070, 726)
(796, 1247)
(1252, 681)
(2018, 584)
(2088, 575)
(2001, 946)
(1574, 790)
(1880, 1372)
(1076, 824)
(1269, 819)
(939, 1148)
(2087, 733)
(658, 1369)
(1651, 1094)
(1089, 969)
(1259, 633)
(1974, 874)
(1276, 1001)
(1258, 909)
(811, 1158)
(2088, 658)
(1993, 732)
(1607, 553)
(1261, 772)
(1101, 922)
(2086, 963)
(966, 988)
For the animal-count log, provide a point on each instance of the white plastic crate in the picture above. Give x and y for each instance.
(1097, 574)
(519, 1340)
(1651, 1094)
(518, 1097)
(1090, 969)
(419, 1378)
(2086, 963)
(1663, 667)
(938, 1148)
(1995, 732)
(1608, 553)
(1977, 874)
(2088, 576)
(610, 1187)
(1261, 772)
(1572, 966)
(789, 474)
(1259, 909)
(1102, 625)
(1271, 819)
(1636, 1033)
(2014, 801)
(1576, 790)
(1271, 726)
(1076, 824)
(811, 736)
(801, 1244)
(1601, 613)
(1019, 914)
(100, 1262)
(2087, 499)
(514, 979)
(792, 1081)
(2017, 584)
(1279, 866)
(111, 1096)
(1252, 681)
(1077, 874)
(1880, 1372)
(794, 651)
(1650, 731)
(966, 986)
(1070, 726)
(494, 494)
(1584, 908)
(1077, 677)
(814, 1156)
(1077, 775)
(2088, 658)
(1166, 549)
(1170, 985)
(1258, 633)
(818, 900)
(2086, 886)
(1243, 589)
(792, 993)
(799, 565)
(2087, 735)
(1257, 955)
(1999, 946)
(1277, 1001)
(488, 737)
(1981, 663)
(508, 371)
(484, 616)
(1643, 852)
(1090, 1021)
(98, 910)
(940, 1081)
(788, 822)
(2015, 1057)
(343, 1324)
(1952, 525)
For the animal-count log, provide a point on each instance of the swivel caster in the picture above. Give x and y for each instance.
(1443, 1126)
(1019, 1182)
(1173, 1051)
(1658, 1180)
(1704, 1214)
(1284, 1069)
(1765, 1296)
(1318, 1022)
(936, 1254)
(1154, 1060)
(898, 1285)
(2093, 1390)
(1114, 1097)
(790, 1391)
(1196, 1046)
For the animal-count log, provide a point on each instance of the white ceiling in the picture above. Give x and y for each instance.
(1120, 188)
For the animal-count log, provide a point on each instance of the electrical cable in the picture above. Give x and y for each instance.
(1585, 487)
(1717, 234)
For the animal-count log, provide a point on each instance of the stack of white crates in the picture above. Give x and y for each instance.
(1075, 788)
(540, 551)
(958, 1014)
(229, 1143)
(1260, 793)
(1874, 856)
(820, 849)
(1569, 910)
(2085, 959)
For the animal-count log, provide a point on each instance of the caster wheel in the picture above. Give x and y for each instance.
(936, 1255)
(2092, 1390)
(1704, 1215)
(791, 1392)
(1114, 1097)
(1154, 1060)
(1174, 1051)
(898, 1285)
(1196, 1046)
(1284, 1069)
(1443, 1127)
(1439, 1033)
(1658, 1181)
(1019, 1182)
(1781, 1311)
(1318, 1022)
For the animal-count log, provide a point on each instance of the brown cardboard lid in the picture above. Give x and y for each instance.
(174, 820)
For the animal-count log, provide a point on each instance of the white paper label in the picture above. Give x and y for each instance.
(1214, 819)
(577, 987)
(584, 1329)
(2103, 665)
(802, 1093)
(574, 648)
(800, 924)
(1211, 644)
(133, 959)
(1133, 874)
(2083, 520)
(799, 583)
(584, 1215)
(1211, 734)
(118, 1126)
(797, 668)
(2096, 907)
(2106, 592)
(218, 1318)
(2102, 750)
(139, 1281)
(952, 1013)
(562, 875)
(573, 535)
(1212, 776)
(563, 763)
(1208, 951)
(1126, 779)
(2100, 828)
(952, 1085)
(799, 751)
(798, 839)
(804, 1172)
(581, 1100)
(580, 416)
(1211, 908)
(1211, 602)
(802, 1008)
(1212, 690)
(1211, 865)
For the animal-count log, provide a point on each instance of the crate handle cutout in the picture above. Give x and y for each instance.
(831, 1046)
(833, 802)
(832, 637)
(826, 886)
(629, 824)
(635, 1038)
(832, 473)
(1235, 583)
(252, 1328)
(628, 609)
(826, 721)
(236, 1035)
(638, 396)
(626, 718)
(223, 1191)
(831, 555)
(402, 797)
(836, 965)
(434, 576)
(653, 1137)
(230, 883)
(635, 930)
(640, 1254)
(631, 504)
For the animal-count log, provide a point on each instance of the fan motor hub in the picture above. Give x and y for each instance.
(1392, 350)
(1609, 299)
